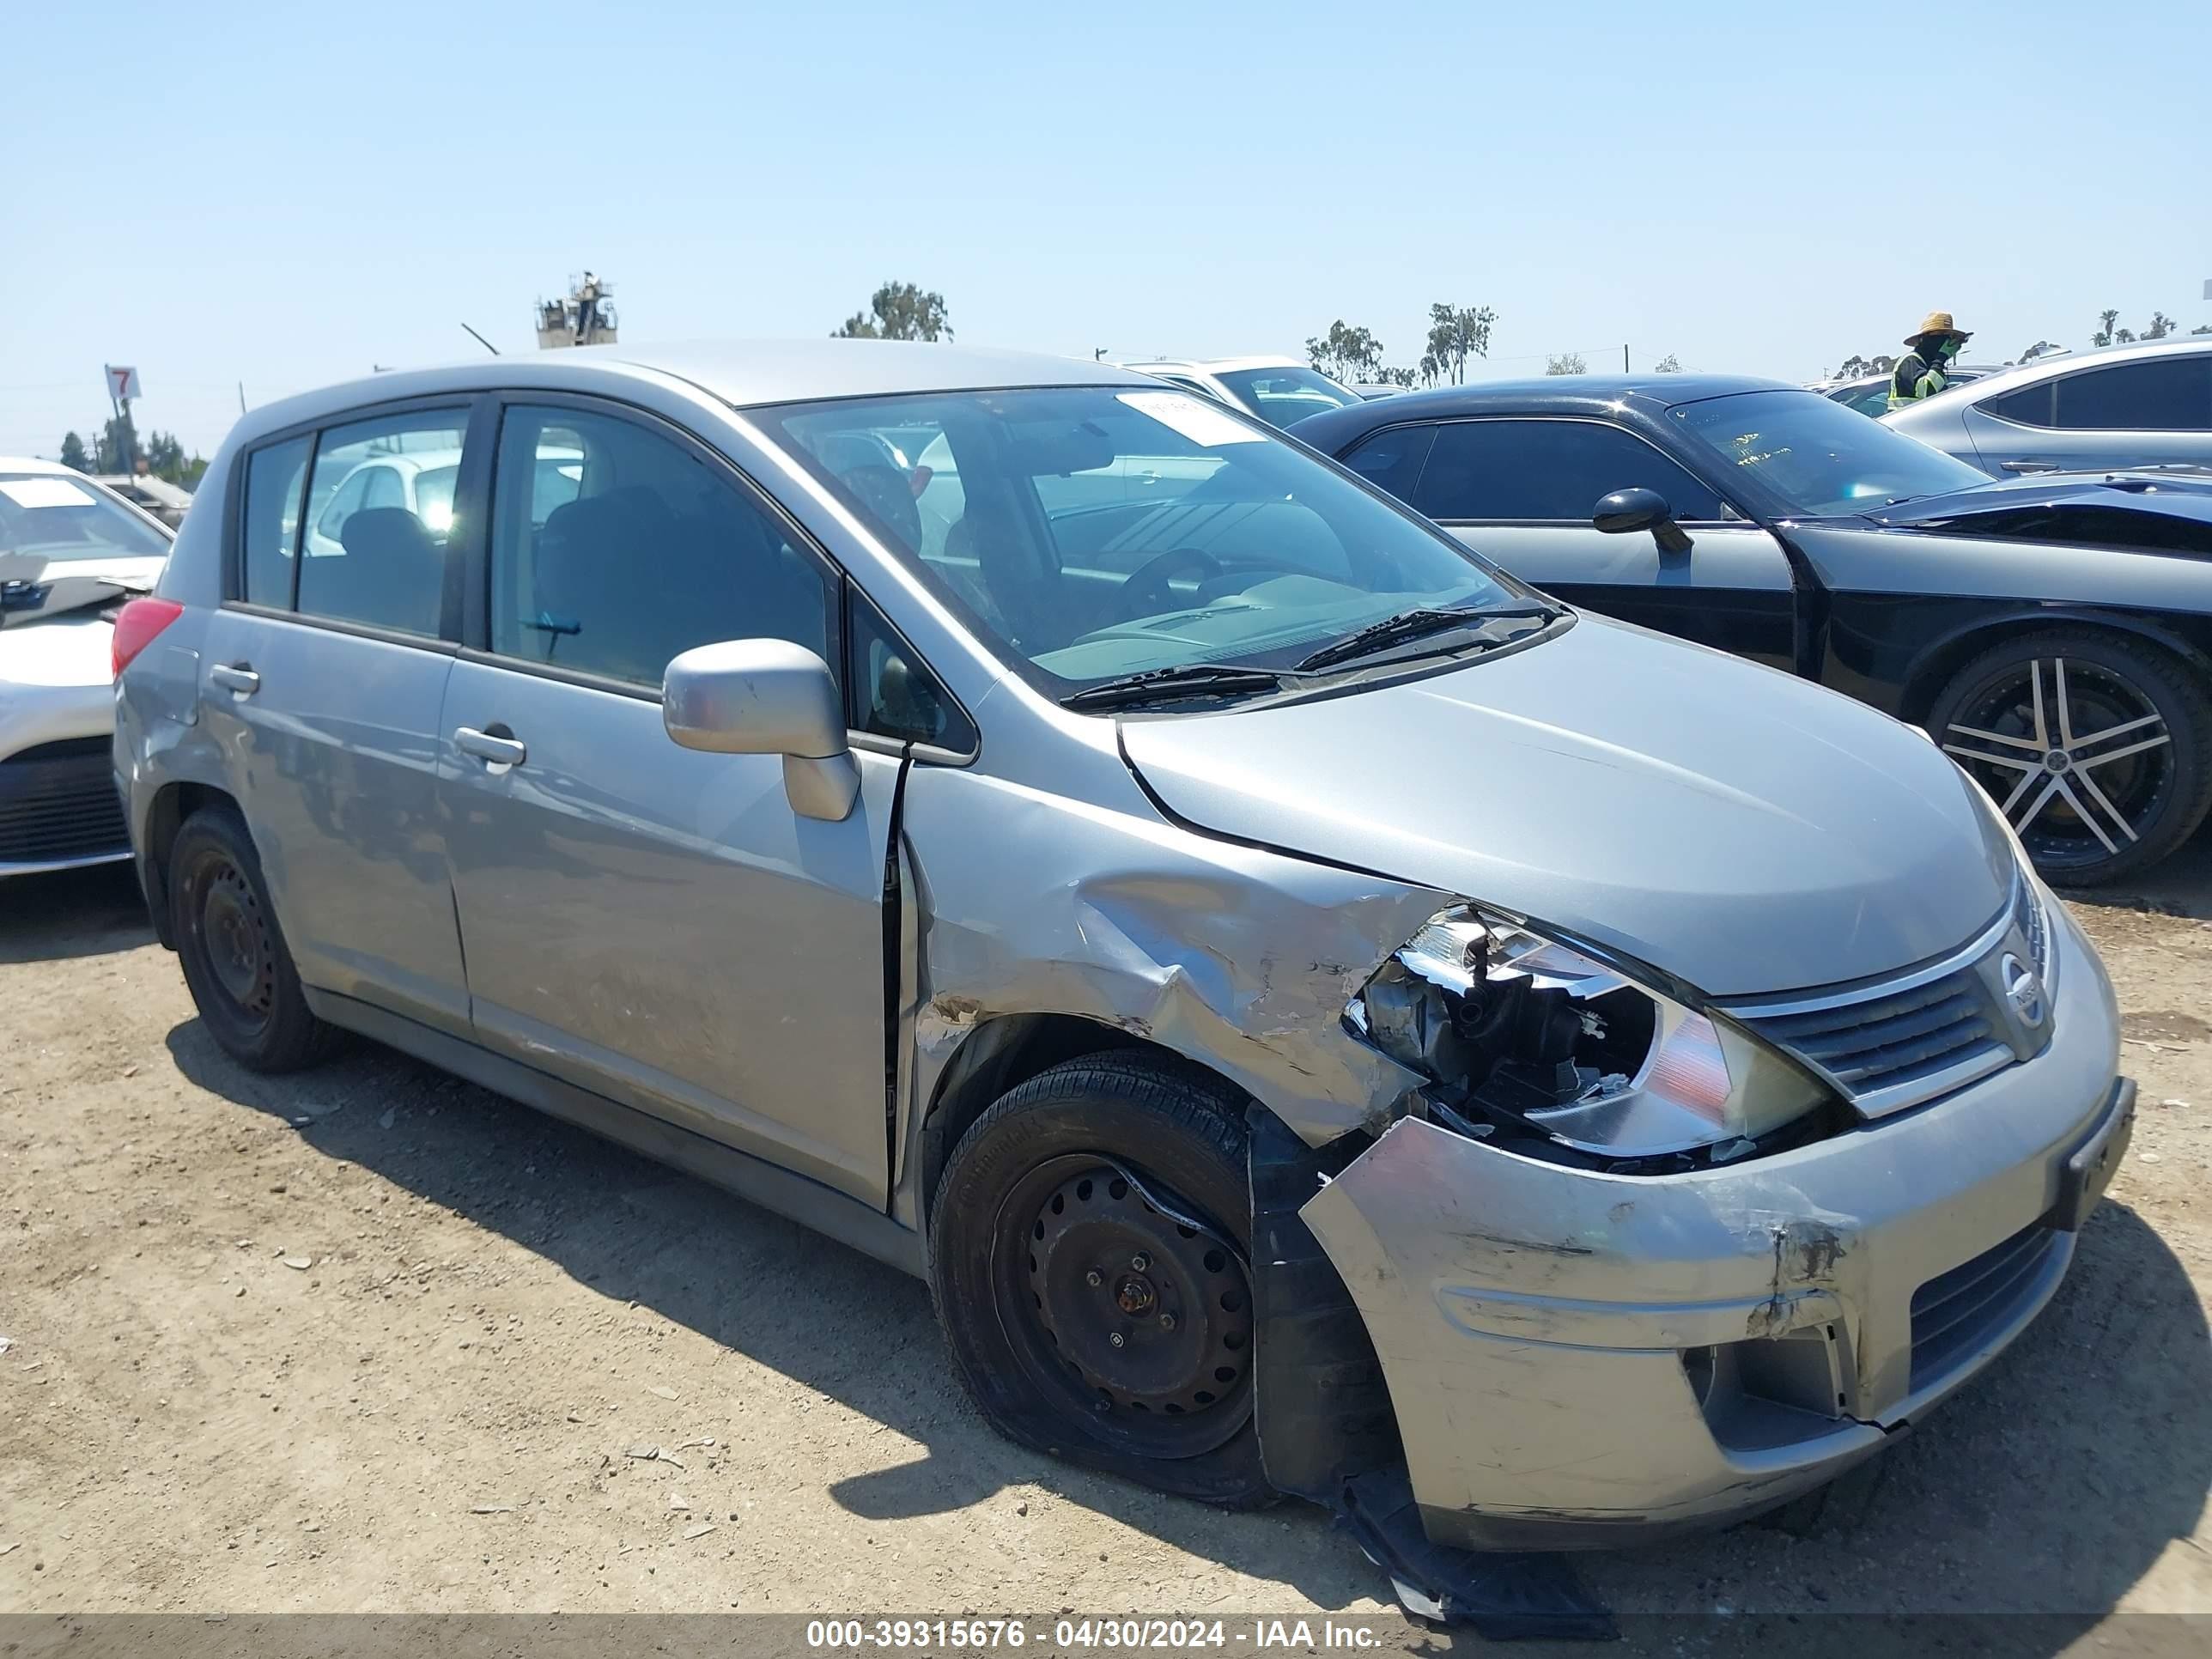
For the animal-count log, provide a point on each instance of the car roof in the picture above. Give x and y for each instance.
(1957, 373)
(1605, 395)
(32, 464)
(1217, 365)
(745, 373)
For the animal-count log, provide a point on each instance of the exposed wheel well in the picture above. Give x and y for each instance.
(1003, 1054)
(174, 803)
(1931, 674)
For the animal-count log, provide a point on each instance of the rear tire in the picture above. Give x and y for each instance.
(1043, 1251)
(2097, 746)
(234, 959)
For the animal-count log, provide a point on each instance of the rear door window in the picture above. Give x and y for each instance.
(1551, 471)
(1392, 460)
(368, 557)
(2165, 394)
(385, 489)
(345, 500)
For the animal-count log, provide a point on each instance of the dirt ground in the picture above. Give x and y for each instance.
(372, 1339)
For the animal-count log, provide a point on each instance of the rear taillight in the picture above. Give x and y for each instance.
(136, 624)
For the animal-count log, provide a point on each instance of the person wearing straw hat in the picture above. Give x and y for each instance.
(1919, 372)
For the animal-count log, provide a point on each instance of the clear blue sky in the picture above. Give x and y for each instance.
(285, 195)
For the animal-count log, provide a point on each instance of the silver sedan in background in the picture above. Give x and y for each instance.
(2145, 404)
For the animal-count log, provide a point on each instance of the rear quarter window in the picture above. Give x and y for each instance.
(276, 480)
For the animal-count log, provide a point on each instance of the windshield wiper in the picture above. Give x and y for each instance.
(1200, 679)
(1412, 625)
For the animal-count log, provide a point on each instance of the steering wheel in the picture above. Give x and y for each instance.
(1145, 592)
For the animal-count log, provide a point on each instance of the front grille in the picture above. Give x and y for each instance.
(2027, 916)
(1901, 1048)
(63, 748)
(1955, 1313)
(56, 808)
(1888, 1045)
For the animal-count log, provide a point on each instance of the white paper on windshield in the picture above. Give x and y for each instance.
(1181, 413)
(44, 492)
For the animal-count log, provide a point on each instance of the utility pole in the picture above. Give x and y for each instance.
(1624, 359)
(1098, 354)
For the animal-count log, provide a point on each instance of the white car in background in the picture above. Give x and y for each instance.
(419, 481)
(1276, 390)
(71, 552)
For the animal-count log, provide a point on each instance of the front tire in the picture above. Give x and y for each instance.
(1088, 1260)
(235, 962)
(2098, 748)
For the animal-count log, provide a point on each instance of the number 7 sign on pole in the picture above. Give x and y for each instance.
(123, 383)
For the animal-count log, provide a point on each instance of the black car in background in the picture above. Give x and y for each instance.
(2053, 633)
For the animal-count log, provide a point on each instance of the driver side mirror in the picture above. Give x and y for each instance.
(766, 697)
(1625, 510)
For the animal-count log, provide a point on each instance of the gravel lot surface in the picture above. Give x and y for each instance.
(373, 1339)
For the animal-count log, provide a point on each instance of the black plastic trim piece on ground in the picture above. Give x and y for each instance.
(1503, 1597)
(1328, 1433)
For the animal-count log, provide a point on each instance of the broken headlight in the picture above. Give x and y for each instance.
(1517, 1031)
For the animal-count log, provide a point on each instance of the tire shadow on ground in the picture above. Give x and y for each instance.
(822, 1315)
(93, 912)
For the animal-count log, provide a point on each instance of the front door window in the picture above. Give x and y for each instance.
(614, 549)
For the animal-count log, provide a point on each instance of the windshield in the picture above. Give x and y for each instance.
(62, 519)
(1089, 532)
(1805, 456)
(1280, 396)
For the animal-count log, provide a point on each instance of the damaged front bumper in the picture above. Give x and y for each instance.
(1579, 1359)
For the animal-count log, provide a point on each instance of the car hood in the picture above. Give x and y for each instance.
(2181, 494)
(1740, 829)
(71, 649)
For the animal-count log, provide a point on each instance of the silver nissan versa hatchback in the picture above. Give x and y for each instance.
(1319, 1014)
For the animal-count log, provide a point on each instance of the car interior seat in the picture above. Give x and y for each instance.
(392, 574)
(605, 573)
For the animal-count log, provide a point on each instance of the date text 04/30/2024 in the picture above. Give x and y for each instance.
(1079, 1635)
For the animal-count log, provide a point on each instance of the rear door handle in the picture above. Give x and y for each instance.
(236, 677)
(490, 747)
(2029, 466)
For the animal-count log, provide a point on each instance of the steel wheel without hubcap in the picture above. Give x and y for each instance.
(234, 937)
(2077, 756)
(1139, 1322)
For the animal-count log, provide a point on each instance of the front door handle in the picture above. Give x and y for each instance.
(235, 677)
(489, 746)
(2029, 466)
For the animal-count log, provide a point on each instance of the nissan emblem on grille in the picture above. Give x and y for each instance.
(2023, 988)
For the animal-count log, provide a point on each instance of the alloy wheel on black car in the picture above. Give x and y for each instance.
(2093, 748)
